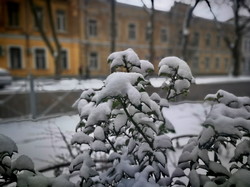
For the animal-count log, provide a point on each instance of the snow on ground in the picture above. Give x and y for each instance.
(39, 139)
(76, 84)
(157, 82)
(52, 85)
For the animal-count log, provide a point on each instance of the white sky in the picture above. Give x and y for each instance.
(223, 12)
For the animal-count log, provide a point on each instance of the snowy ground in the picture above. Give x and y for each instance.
(39, 139)
(75, 84)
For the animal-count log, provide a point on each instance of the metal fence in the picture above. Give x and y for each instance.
(30, 100)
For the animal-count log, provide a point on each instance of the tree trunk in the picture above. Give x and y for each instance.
(57, 55)
(151, 41)
(186, 31)
(113, 26)
(40, 27)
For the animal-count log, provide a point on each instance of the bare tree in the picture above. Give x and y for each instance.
(151, 28)
(241, 27)
(54, 51)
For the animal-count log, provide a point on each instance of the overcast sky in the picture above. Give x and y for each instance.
(223, 12)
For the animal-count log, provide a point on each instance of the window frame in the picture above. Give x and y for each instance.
(164, 35)
(13, 14)
(61, 26)
(133, 31)
(42, 17)
(217, 64)
(207, 62)
(195, 64)
(196, 39)
(90, 60)
(67, 59)
(92, 27)
(22, 65)
(208, 40)
(35, 64)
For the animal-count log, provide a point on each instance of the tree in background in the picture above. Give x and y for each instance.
(151, 28)
(241, 26)
(54, 51)
(113, 25)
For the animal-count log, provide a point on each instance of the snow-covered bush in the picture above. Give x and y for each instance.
(122, 121)
(20, 170)
(206, 159)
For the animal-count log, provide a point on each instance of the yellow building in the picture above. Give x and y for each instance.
(83, 29)
(24, 51)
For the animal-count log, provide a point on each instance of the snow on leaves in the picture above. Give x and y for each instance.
(227, 124)
(179, 76)
(120, 84)
(122, 121)
(174, 66)
(130, 61)
(23, 163)
(7, 145)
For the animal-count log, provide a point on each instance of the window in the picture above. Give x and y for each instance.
(93, 60)
(132, 31)
(40, 58)
(217, 63)
(180, 37)
(195, 64)
(196, 39)
(115, 31)
(207, 40)
(147, 33)
(164, 35)
(226, 61)
(61, 20)
(218, 41)
(15, 57)
(39, 12)
(92, 27)
(207, 63)
(64, 59)
(13, 14)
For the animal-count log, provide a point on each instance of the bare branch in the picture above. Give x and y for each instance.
(52, 167)
(145, 7)
(40, 27)
(67, 144)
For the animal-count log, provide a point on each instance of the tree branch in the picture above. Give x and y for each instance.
(135, 124)
(145, 7)
(58, 45)
(40, 28)
(67, 144)
(52, 167)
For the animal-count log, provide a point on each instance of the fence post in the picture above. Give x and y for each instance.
(32, 97)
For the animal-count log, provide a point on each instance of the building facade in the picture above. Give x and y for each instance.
(84, 31)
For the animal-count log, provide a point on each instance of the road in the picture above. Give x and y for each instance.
(60, 102)
(199, 92)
